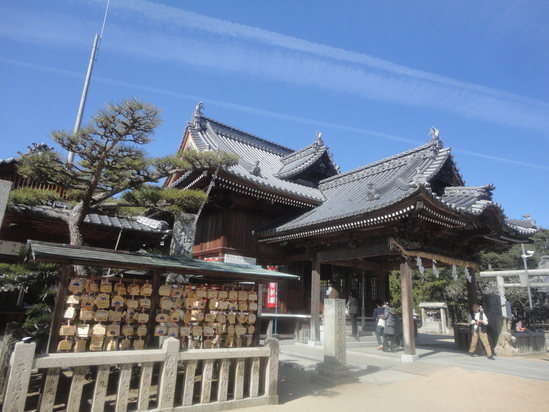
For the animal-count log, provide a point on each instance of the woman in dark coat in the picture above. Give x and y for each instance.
(352, 306)
(389, 331)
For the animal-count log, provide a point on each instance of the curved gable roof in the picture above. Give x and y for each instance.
(259, 161)
(373, 187)
(299, 161)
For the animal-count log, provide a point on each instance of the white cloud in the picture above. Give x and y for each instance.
(164, 33)
(303, 62)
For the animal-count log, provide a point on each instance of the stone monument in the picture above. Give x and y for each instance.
(333, 371)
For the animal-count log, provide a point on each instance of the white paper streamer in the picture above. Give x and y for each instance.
(467, 274)
(435, 270)
(420, 265)
(454, 273)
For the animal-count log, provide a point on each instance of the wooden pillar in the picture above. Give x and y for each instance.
(60, 299)
(472, 289)
(363, 312)
(407, 308)
(155, 303)
(315, 302)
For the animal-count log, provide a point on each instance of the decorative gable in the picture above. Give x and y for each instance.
(309, 165)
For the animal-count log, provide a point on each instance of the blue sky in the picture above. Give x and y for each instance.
(371, 76)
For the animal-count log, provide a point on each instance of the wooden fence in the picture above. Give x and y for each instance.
(165, 379)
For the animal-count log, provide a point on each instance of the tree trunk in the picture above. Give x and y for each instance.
(75, 222)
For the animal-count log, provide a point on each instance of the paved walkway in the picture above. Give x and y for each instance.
(442, 379)
(436, 352)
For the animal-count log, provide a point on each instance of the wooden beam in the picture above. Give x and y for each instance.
(363, 251)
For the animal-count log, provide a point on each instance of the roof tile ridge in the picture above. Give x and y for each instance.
(312, 159)
(261, 182)
(340, 216)
(234, 129)
(433, 143)
(316, 146)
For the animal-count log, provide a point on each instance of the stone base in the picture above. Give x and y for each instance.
(328, 374)
(404, 358)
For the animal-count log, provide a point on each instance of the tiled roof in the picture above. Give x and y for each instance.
(300, 160)
(374, 187)
(259, 162)
(140, 223)
(36, 147)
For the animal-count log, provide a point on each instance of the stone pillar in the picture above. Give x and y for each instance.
(271, 371)
(423, 316)
(168, 371)
(502, 300)
(19, 376)
(444, 321)
(333, 370)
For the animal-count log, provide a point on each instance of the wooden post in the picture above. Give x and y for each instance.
(472, 290)
(407, 308)
(363, 311)
(155, 303)
(59, 308)
(315, 302)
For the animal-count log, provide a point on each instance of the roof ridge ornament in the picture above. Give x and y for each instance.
(198, 113)
(371, 193)
(319, 140)
(256, 170)
(435, 133)
(419, 179)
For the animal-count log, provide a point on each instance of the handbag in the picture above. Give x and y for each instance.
(381, 322)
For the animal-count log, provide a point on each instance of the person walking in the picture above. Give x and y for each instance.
(352, 306)
(332, 292)
(379, 322)
(479, 321)
(389, 331)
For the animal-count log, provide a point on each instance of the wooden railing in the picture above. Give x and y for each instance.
(163, 379)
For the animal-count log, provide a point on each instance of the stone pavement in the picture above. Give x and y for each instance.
(436, 352)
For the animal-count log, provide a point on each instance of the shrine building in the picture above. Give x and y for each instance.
(295, 211)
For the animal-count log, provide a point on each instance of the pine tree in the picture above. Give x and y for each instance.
(111, 162)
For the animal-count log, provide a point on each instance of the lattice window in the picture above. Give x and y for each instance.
(374, 288)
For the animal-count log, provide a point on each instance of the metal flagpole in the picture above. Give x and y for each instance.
(95, 47)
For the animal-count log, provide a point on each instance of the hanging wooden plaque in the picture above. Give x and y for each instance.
(64, 346)
(164, 290)
(92, 286)
(73, 299)
(106, 286)
(113, 330)
(96, 343)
